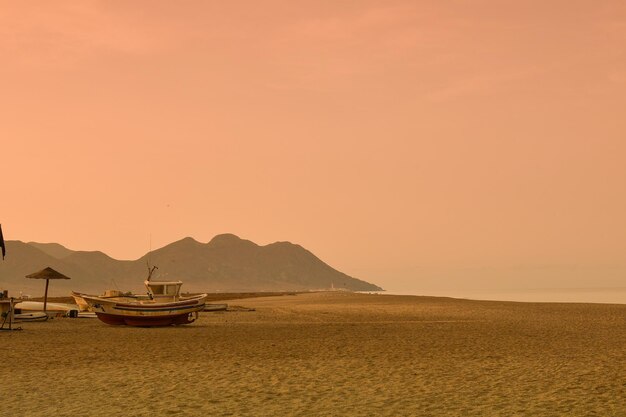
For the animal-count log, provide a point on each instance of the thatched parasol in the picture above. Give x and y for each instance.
(47, 274)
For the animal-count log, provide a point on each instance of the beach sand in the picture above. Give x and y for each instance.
(328, 354)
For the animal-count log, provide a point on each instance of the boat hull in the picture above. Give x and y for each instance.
(80, 301)
(52, 309)
(146, 314)
(146, 321)
(35, 316)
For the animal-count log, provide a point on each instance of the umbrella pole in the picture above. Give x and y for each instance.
(45, 297)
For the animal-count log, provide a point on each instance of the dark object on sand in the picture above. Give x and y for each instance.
(215, 307)
(2, 245)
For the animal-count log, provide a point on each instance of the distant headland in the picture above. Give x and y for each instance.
(227, 263)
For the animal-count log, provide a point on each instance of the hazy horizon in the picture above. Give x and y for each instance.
(506, 284)
(434, 144)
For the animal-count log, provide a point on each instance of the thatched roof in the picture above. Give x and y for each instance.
(47, 273)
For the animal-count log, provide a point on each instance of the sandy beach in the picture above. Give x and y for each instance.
(328, 354)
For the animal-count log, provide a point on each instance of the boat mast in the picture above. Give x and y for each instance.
(150, 271)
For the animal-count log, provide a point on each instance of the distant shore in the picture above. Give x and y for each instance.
(603, 295)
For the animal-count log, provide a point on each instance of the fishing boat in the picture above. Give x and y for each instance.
(163, 306)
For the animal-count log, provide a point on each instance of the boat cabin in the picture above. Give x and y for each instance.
(163, 290)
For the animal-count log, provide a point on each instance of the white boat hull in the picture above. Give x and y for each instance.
(52, 309)
(35, 316)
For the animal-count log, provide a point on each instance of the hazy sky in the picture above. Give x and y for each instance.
(404, 142)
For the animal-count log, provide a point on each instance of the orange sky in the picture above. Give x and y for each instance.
(409, 143)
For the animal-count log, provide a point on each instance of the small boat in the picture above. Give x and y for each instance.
(52, 309)
(34, 316)
(163, 306)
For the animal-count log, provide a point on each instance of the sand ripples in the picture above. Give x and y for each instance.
(328, 355)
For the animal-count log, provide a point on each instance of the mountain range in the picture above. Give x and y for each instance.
(227, 263)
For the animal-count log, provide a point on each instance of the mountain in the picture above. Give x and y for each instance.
(23, 259)
(227, 263)
(53, 249)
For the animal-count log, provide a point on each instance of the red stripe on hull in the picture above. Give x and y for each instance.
(146, 321)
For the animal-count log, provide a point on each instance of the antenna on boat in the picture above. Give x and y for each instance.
(150, 270)
(149, 251)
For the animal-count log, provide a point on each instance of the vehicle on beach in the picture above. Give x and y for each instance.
(162, 306)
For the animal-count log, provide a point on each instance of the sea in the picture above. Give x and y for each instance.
(615, 295)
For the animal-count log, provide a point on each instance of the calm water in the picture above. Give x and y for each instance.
(557, 295)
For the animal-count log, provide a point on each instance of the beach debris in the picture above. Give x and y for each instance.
(240, 308)
(215, 307)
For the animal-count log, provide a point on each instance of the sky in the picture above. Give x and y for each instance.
(414, 144)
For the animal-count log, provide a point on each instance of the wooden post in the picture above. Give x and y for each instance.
(11, 313)
(45, 297)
